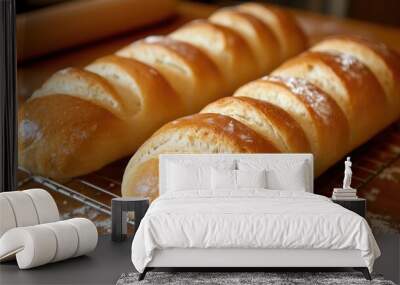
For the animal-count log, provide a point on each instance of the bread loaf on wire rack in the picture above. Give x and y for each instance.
(327, 101)
(82, 119)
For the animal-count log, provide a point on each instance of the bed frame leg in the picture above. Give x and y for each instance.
(364, 271)
(143, 274)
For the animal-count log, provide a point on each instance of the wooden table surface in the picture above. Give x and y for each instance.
(376, 165)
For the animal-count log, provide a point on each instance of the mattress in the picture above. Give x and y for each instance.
(250, 219)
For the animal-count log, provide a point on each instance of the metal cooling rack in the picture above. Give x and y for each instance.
(81, 195)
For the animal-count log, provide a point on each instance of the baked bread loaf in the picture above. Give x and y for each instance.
(225, 47)
(199, 133)
(258, 36)
(191, 73)
(84, 118)
(77, 122)
(290, 37)
(383, 62)
(270, 121)
(350, 83)
(316, 113)
(325, 101)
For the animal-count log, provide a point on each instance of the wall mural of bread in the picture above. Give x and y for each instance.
(327, 101)
(82, 119)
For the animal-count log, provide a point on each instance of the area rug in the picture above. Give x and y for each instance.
(243, 278)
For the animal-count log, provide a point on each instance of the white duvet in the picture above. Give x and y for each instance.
(250, 219)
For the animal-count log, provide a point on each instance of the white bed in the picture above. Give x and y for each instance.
(249, 227)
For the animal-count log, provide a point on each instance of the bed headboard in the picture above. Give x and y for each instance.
(210, 159)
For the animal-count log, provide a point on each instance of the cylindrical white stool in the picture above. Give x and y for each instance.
(23, 208)
(45, 205)
(33, 246)
(7, 218)
(40, 244)
(87, 234)
(67, 240)
(26, 208)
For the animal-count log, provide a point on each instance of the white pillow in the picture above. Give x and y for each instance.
(251, 178)
(223, 179)
(292, 179)
(281, 174)
(181, 177)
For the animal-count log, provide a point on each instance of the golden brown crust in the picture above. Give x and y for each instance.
(224, 46)
(313, 109)
(199, 133)
(143, 181)
(84, 85)
(351, 84)
(146, 84)
(192, 74)
(230, 131)
(54, 132)
(256, 33)
(268, 120)
(290, 36)
(382, 61)
(62, 136)
(147, 87)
